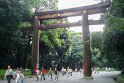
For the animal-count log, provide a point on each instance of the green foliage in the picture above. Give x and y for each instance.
(15, 47)
(114, 16)
(2, 74)
(120, 78)
(54, 47)
(113, 35)
(9, 19)
(96, 40)
(76, 57)
(116, 23)
(113, 47)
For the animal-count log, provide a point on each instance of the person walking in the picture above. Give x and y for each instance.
(37, 73)
(21, 77)
(63, 71)
(50, 73)
(68, 71)
(17, 75)
(43, 73)
(9, 74)
(80, 71)
(76, 70)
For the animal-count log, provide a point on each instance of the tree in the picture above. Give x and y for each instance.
(113, 35)
(10, 17)
(15, 15)
(76, 57)
(54, 47)
(96, 40)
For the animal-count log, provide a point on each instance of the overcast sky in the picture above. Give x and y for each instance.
(64, 4)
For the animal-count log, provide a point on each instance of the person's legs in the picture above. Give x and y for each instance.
(41, 77)
(8, 78)
(37, 76)
(8, 81)
(57, 77)
(22, 80)
(51, 76)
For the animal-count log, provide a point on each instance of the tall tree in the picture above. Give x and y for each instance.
(76, 57)
(113, 35)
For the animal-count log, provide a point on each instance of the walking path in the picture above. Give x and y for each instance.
(102, 77)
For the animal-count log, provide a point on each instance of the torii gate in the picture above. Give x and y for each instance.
(78, 11)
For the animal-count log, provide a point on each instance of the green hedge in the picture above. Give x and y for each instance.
(2, 73)
(120, 78)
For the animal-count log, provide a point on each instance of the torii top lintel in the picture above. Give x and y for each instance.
(91, 9)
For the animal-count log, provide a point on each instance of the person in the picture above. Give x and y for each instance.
(109, 69)
(17, 76)
(56, 74)
(63, 72)
(9, 74)
(50, 73)
(112, 69)
(21, 77)
(80, 70)
(76, 70)
(106, 68)
(70, 71)
(37, 73)
(43, 73)
(98, 69)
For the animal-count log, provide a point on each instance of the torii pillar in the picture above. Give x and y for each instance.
(86, 45)
(35, 46)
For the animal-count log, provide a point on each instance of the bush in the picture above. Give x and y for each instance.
(2, 73)
(120, 78)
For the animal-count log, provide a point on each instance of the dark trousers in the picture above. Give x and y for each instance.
(9, 77)
(42, 76)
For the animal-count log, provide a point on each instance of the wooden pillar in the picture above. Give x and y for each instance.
(86, 46)
(35, 46)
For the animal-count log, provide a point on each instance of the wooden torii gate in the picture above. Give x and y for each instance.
(78, 11)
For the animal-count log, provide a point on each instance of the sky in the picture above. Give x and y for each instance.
(65, 4)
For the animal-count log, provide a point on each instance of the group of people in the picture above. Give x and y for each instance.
(43, 72)
(67, 71)
(18, 75)
(95, 70)
(109, 69)
(40, 75)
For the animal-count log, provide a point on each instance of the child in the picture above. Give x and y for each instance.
(21, 76)
(43, 73)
